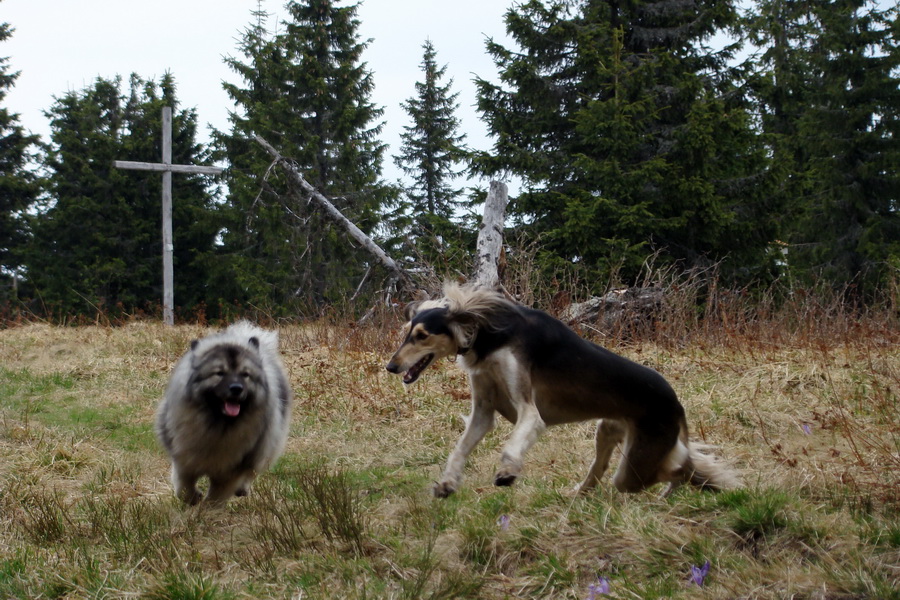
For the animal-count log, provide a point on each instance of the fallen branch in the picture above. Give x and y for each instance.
(398, 274)
(617, 309)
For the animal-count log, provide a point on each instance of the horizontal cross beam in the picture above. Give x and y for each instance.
(163, 167)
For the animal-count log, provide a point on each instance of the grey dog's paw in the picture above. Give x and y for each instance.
(443, 489)
(504, 478)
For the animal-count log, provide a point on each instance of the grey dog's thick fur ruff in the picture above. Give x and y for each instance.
(199, 439)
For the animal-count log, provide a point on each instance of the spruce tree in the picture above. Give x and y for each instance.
(306, 91)
(431, 153)
(630, 136)
(18, 186)
(833, 118)
(97, 241)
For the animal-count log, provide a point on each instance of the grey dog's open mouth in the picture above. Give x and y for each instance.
(231, 409)
(414, 371)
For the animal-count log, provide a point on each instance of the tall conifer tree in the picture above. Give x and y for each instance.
(18, 186)
(306, 90)
(431, 153)
(628, 134)
(830, 96)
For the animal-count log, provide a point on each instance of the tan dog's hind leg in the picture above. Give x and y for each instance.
(610, 434)
(644, 456)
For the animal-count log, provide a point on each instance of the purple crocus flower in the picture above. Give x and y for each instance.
(698, 574)
(806, 428)
(601, 587)
(503, 522)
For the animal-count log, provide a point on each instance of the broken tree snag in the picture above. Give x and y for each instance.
(397, 272)
(490, 237)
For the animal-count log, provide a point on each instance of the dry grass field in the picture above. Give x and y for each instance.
(805, 406)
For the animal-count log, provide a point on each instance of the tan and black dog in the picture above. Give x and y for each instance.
(536, 372)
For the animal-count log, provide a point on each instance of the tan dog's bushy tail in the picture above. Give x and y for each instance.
(709, 471)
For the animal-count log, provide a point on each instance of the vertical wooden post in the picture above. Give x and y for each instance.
(167, 241)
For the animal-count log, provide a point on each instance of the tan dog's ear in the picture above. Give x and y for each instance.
(410, 310)
(465, 327)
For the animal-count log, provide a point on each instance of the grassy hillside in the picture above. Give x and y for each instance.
(811, 420)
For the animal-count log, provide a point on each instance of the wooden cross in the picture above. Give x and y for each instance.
(167, 168)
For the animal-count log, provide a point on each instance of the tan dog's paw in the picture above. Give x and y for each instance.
(443, 489)
(583, 489)
(505, 477)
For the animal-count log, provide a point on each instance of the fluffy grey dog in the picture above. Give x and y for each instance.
(226, 412)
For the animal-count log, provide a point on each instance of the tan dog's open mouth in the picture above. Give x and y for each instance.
(414, 371)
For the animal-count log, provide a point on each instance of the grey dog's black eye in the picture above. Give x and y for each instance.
(420, 335)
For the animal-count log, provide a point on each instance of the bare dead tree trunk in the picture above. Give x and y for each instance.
(490, 237)
(398, 274)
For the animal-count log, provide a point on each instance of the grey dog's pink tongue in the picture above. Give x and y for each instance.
(232, 409)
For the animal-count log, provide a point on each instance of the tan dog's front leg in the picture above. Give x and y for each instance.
(480, 422)
(529, 427)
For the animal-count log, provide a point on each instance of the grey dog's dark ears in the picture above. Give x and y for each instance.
(254, 341)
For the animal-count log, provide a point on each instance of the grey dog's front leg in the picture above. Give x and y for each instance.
(222, 488)
(480, 421)
(185, 484)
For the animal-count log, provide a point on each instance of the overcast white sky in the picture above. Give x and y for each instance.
(63, 45)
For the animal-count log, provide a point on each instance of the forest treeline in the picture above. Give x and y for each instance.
(759, 141)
